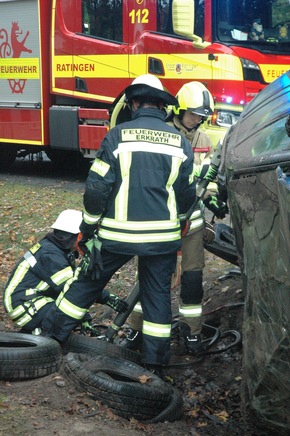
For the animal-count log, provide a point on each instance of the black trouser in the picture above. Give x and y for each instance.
(80, 294)
(155, 280)
(155, 274)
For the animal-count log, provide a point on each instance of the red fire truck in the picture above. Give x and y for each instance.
(65, 63)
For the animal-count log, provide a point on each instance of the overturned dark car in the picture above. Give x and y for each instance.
(255, 170)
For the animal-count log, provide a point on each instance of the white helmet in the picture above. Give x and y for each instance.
(148, 79)
(69, 221)
(148, 86)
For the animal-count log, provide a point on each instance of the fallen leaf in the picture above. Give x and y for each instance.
(192, 394)
(144, 379)
(193, 413)
(223, 416)
(201, 424)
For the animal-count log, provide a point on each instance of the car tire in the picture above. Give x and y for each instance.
(24, 356)
(127, 388)
(173, 411)
(89, 345)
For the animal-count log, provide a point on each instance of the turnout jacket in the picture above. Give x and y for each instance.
(42, 271)
(140, 181)
(203, 151)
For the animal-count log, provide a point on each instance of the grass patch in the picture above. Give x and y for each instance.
(27, 211)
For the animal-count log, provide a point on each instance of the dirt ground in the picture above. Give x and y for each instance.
(211, 390)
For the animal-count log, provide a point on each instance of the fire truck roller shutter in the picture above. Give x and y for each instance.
(63, 128)
(64, 137)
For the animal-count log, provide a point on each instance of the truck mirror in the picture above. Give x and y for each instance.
(183, 21)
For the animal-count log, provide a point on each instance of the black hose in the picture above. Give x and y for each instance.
(211, 341)
(238, 339)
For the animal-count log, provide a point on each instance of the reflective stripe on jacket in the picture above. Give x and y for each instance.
(43, 270)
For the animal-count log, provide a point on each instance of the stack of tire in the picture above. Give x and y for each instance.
(106, 372)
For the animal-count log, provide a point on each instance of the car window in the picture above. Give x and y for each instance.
(272, 138)
(259, 138)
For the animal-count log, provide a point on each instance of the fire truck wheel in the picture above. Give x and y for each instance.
(24, 356)
(7, 156)
(127, 388)
(89, 345)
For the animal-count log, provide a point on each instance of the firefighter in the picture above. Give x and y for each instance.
(138, 184)
(195, 104)
(40, 276)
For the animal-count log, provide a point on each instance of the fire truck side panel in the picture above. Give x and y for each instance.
(58, 57)
(21, 125)
(20, 73)
(47, 97)
(72, 21)
(174, 61)
(141, 17)
(270, 66)
(87, 67)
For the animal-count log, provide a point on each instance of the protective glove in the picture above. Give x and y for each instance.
(88, 329)
(216, 206)
(91, 265)
(208, 233)
(116, 303)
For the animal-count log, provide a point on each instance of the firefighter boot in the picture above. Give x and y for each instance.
(133, 340)
(192, 342)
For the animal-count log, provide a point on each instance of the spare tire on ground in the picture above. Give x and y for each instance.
(24, 356)
(89, 345)
(127, 388)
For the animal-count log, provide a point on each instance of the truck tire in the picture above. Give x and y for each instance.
(24, 356)
(7, 156)
(127, 388)
(88, 345)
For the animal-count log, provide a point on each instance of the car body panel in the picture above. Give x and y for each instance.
(256, 170)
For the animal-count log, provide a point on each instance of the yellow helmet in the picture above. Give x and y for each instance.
(195, 97)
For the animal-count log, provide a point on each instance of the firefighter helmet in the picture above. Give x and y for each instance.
(68, 221)
(195, 97)
(148, 86)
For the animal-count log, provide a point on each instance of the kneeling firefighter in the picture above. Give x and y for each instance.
(40, 276)
(195, 104)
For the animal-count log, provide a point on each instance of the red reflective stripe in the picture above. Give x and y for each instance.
(201, 150)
